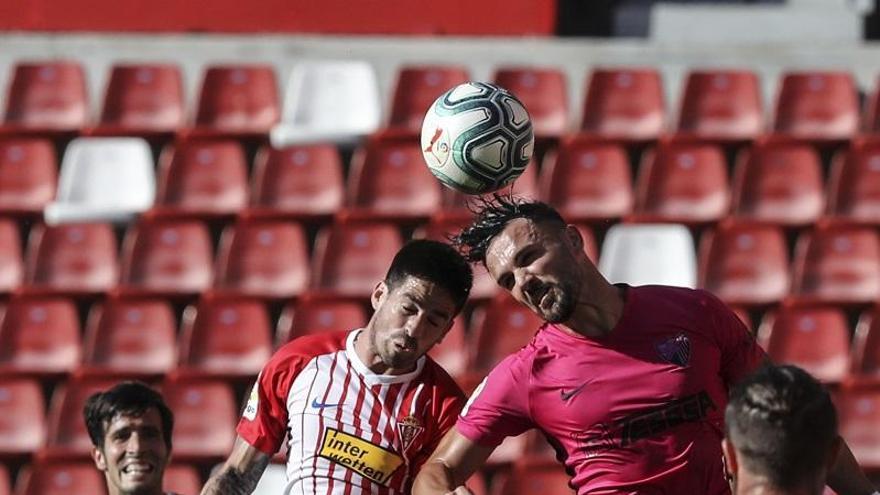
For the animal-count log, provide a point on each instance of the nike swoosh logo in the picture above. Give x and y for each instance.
(571, 393)
(321, 405)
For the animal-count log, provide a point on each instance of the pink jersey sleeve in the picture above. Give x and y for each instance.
(499, 407)
(740, 352)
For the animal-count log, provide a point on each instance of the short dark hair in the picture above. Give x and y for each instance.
(127, 398)
(436, 262)
(492, 214)
(781, 421)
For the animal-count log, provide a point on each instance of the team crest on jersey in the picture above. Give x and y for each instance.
(409, 429)
(676, 350)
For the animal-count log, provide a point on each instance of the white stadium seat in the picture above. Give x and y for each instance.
(649, 254)
(103, 180)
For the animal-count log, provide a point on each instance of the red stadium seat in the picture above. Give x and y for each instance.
(239, 99)
(73, 258)
(226, 336)
(40, 335)
(416, 89)
(501, 327)
(298, 181)
(588, 180)
(854, 184)
(11, 264)
(314, 313)
(143, 99)
(455, 203)
(683, 183)
(858, 411)
(838, 263)
(61, 478)
(779, 182)
(389, 179)
(167, 257)
(721, 105)
(28, 175)
(203, 177)
(624, 104)
(350, 258)
(441, 228)
(451, 352)
(866, 347)
(535, 475)
(544, 93)
(47, 97)
(263, 259)
(134, 336)
(182, 479)
(817, 106)
(5, 481)
(68, 436)
(814, 337)
(201, 437)
(22, 418)
(745, 263)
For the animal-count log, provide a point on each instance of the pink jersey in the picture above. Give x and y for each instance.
(349, 430)
(639, 411)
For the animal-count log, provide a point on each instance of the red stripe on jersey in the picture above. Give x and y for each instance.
(358, 405)
(339, 410)
(321, 423)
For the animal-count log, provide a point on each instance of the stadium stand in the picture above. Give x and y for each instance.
(40, 336)
(11, 262)
(47, 97)
(630, 253)
(22, 418)
(314, 313)
(817, 106)
(60, 478)
(859, 411)
(721, 106)
(143, 100)
(238, 100)
(28, 175)
(626, 104)
(854, 183)
(72, 258)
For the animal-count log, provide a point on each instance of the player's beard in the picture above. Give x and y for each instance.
(563, 304)
(389, 354)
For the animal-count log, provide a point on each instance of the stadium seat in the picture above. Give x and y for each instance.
(683, 183)
(544, 93)
(455, 203)
(721, 105)
(389, 180)
(127, 335)
(11, 264)
(872, 114)
(624, 104)
(415, 91)
(440, 228)
(171, 257)
(28, 175)
(814, 337)
(854, 183)
(858, 410)
(264, 259)
(47, 97)
(182, 479)
(226, 336)
(200, 437)
(451, 352)
(61, 478)
(837, 263)
(588, 180)
(866, 347)
(745, 263)
(40, 335)
(302, 182)
(335, 101)
(529, 476)
(22, 418)
(350, 258)
(142, 100)
(5, 481)
(203, 178)
(500, 327)
(73, 258)
(817, 106)
(238, 99)
(315, 313)
(779, 182)
(68, 437)
(630, 253)
(103, 180)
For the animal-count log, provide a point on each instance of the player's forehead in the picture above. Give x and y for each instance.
(426, 293)
(518, 234)
(149, 419)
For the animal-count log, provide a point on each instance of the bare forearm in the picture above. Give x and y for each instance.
(434, 479)
(231, 481)
(846, 478)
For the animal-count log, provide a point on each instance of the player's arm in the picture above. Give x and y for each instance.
(240, 473)
(846, 477)
(454, 461)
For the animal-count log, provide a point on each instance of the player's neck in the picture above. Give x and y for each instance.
(597, 314)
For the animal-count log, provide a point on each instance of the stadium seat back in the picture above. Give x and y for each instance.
(73, 257)
(239, 98)
(203, 176)
(721, 105)
(817, 106)
(144, 97)
(11, 264)
(625, 104)
(40, 335)
(501, 327)
(47, 95)
(299, 180)
(28, 175)
(171, 256)
(22, 417)
(200, 437)
(68, 436)
(630, 253)
(859, 418)
(416, 89)
(544, 93)
(854, 184)
(866, 347)
(61, 478)
(312, 314)
(451, 352)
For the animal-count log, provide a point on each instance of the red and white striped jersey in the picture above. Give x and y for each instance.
(349, 430)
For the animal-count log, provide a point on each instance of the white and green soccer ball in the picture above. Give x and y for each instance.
(477, 137)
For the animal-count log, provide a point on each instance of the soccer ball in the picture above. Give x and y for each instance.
(477, 137)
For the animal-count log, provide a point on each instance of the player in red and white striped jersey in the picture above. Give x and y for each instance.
(361, 410)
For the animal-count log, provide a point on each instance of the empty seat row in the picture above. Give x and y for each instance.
(335, 100)
(58, 477)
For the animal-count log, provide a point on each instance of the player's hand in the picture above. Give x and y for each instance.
(462, 490)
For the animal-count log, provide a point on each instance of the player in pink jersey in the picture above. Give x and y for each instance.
(628, 383)
(362, 410)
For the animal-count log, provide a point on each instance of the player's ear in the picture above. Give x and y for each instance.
(379, 294)
(574, 237)
(99, 458)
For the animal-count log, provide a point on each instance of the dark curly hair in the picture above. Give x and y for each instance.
(435, 261)
(492, 214)
(127, 398)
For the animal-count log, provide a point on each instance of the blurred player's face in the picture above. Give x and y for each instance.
(134, 455)
(408, 320)
(537, 264)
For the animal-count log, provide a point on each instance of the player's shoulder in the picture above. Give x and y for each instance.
(436, 376)
(310, 346)
(667, 295)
